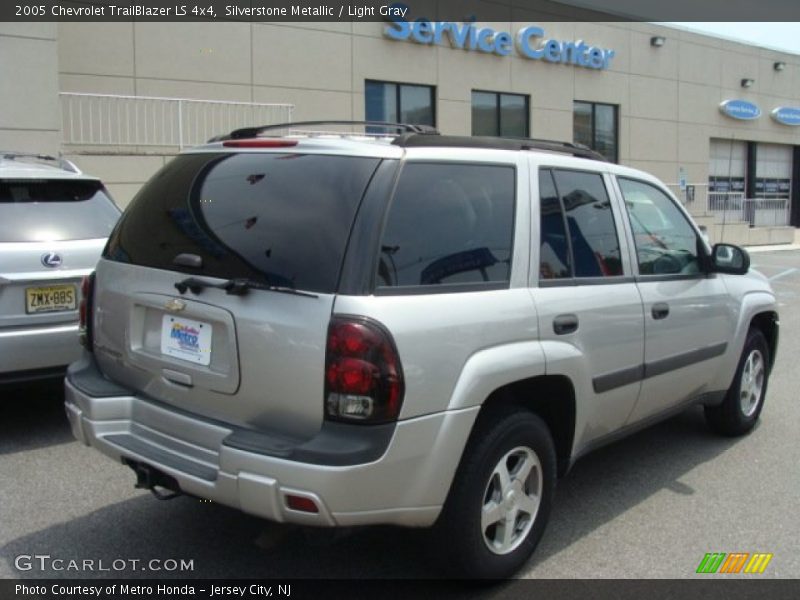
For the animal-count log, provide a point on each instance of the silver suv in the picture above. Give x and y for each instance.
(54, 222)
(417, 329)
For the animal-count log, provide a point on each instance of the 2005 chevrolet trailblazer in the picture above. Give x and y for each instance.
(416, 329)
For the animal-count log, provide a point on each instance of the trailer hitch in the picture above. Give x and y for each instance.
(161, 485)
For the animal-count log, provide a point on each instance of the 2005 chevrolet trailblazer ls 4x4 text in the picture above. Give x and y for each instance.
(410, 329)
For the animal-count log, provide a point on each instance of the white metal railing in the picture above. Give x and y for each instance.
(767, 212)
(727, 207)
(112, 120)
(731, 207)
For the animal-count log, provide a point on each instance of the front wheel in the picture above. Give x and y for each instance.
(742, 406)
(500, 499)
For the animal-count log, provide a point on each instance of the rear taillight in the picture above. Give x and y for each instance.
(85, 311)
(363, 375)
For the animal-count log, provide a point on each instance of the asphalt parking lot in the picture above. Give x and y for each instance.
(649, 506)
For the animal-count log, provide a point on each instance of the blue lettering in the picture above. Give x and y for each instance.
(596, 58)
(439, 27)
(467, 36)
(607, 56)
(568, 52)
(524, 42)
(472, 37)
(422, 31)
(184, 338)
(458, 37)
(502, 43)
(398, 29)
(582, 57)
(485, 40)
(552, 51)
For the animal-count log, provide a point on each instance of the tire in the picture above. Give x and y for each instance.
(475, 537)
(739, 412)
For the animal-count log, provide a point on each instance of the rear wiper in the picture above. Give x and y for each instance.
(236, 287)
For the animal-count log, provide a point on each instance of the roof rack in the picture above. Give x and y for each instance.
(411, 140)
(251, 132)
(62, 163)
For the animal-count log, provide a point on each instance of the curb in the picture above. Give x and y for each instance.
(772, 248)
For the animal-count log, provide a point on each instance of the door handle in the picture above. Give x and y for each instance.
(564, 324)
(660, 310)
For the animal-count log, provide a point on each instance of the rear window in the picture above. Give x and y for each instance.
(54, 209)
(282, 219)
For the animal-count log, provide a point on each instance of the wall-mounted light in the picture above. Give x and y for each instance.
(779, 66)
(747, 82)
(657, 41)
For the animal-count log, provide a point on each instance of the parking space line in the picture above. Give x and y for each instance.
(783, 274)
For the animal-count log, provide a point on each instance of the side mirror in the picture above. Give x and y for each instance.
(727, 258)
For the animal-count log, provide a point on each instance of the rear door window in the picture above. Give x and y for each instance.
(554, 260)
(449, 224)
(54, 209)
(281, 219)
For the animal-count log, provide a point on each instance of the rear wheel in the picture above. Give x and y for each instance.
(500, 500)
(742, 406)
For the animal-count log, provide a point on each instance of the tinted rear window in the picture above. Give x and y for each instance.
(54, 209)
(283, 219)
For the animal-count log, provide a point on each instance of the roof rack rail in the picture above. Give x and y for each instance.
(251, 132)
(63, 163)
(410, 140)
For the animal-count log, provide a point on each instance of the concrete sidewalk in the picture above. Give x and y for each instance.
(776, 247)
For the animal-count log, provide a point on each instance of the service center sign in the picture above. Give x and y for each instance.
(787, 115)
(740, 109)
(530, 42)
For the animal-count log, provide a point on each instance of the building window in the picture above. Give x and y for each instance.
(494, 113)
(595, 125)
(399, 103)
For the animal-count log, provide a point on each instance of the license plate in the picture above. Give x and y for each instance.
(186, 339)
(50, 298)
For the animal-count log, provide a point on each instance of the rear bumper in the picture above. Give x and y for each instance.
(354, 479)
(37, 349)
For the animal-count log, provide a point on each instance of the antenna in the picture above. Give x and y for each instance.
(728, 193)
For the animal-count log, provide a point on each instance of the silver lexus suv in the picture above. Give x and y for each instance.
(54, 222)
(410, 329)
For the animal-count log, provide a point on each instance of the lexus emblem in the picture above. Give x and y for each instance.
(52, 260)
(175, 305)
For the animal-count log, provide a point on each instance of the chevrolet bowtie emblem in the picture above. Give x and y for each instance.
(175, 305)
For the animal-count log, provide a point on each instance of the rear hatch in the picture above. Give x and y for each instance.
(245, 355)
(51, 234)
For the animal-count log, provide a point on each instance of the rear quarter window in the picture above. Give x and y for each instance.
(449, 224)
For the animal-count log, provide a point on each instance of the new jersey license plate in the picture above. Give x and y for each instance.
(50, 298)
(186, 339)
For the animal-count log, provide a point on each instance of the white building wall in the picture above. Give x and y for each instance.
(29, 113)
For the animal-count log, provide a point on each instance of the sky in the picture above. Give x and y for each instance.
(778, 36)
